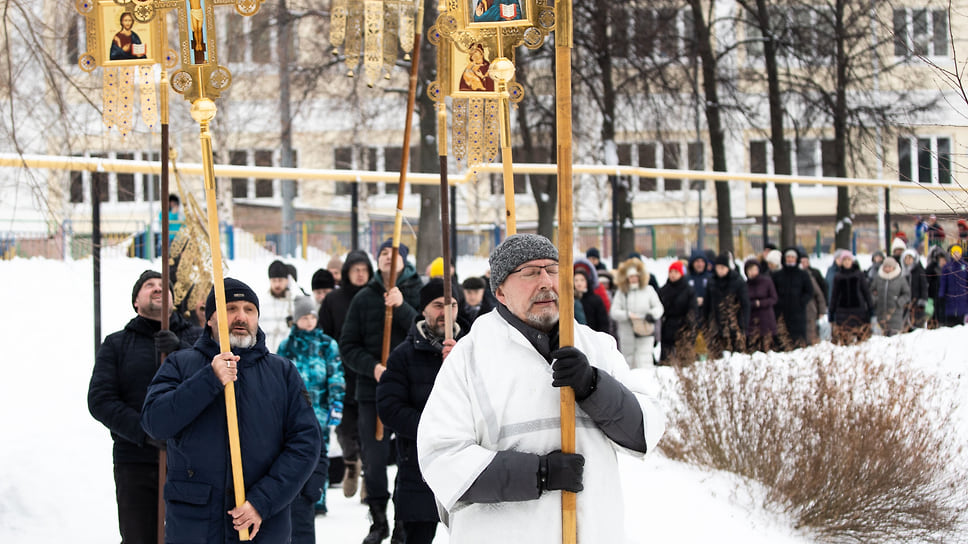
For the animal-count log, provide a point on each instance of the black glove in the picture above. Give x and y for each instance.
(649, 318)
(166, 342)
(560, 471)
(160, 444)
(570, 367)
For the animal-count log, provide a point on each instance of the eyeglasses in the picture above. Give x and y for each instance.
(439, 306)
(533, 271)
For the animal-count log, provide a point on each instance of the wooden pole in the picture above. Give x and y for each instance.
(566, 303)
(391, 278)
(203, 111)
(445, 217)
(165, 282)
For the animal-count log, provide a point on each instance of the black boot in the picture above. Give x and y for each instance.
(399, 535)
(379, 530)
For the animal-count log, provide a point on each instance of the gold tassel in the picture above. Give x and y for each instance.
(459, 128)
(337, 24)
(373, 41)
(475, 131)
(110, 95)
(125, 100)
(149, 98)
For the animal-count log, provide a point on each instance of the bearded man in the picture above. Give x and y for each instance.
(489, 438)
(278, 432)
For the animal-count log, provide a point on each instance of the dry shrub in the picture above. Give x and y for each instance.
(853, 449)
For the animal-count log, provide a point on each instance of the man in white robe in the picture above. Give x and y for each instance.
(489, 438)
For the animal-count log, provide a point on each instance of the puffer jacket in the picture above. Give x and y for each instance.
(316, 357)
(891, 293)
(850, 300)
(361, 343)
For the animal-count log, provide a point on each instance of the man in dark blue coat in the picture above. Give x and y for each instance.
(400, 398)
(123, 368)
(278, 432)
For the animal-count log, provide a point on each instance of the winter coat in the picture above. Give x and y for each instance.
(917, 279)
(401, 395)
(494, 394)
(361, 343)
(763, 298)
(822, 284)
(274, 315)
(891, 293)
(640, 302)
(123, 368)
(698, 281)
(794, 291)
(596, 316)
(953, 288)
(727, 311)
(333, 309)
(875, 266)
(316, 357)
(850, 303)
(278, 434)
(679, 313)
(593, 285)
(815, 308)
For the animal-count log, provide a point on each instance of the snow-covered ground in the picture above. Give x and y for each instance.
(55, 460)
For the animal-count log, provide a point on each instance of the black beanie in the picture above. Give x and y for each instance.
(235, 290)
(145, 276)
(722, 259)
(434, 289)
(323, 279)
(278, 269)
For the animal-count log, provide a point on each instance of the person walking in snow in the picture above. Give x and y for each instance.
(727, 309)
(679, 318)
(762, 293)
(123, 368)
(891, 293)
(917, 280)
(934, 310)
(596, 316)
(278, 432)
(698, 277)
(361, 346)
(355, 273)
(484, 444)
(401, 395)
(953, 288)
(851, 307)
(316, 357)
(794, 292)
(636, 301)
(277, 309)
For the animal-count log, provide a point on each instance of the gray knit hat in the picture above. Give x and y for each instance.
(304, 305)
(516, 250)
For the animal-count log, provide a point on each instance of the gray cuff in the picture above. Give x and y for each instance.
(511, 476)
(616, 411)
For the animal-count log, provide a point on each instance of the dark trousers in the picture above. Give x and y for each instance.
(420, 532)
(136, 489)
(348, 431)
(303, 515)
(376, 453)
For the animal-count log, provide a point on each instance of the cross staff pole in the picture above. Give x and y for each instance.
(445, 217)
(203, 111)
(566, 302)
(165, 282)
(391, 279)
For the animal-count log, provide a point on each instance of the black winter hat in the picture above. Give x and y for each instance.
(235, 291)
(145, 276)
(434, 289)
(474, 282)
(722, 259)
(278, 269)
(323, 279)
(593, 252)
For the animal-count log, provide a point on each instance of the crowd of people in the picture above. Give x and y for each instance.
(475, 454)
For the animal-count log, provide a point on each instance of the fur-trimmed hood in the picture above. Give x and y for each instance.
(893, 274)
(621, 275)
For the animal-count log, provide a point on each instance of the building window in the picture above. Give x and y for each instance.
(72, 42)
(343, 160)
(697, 161)
(647, 160)
(920, 32)
(76, 189)
(240, 186)
(151, 183)
(809, 157)
(926, 159)
(656, 32)
(263, 187)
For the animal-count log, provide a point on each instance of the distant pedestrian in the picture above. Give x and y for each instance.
(934, 310)
(635, 310)
(679, 318)
(851, 307)
(917, 280)
(794, 291)
(727, 310)
(935, 231)
(277, 306)
(953, 288)
(891, 293)
(762, 294)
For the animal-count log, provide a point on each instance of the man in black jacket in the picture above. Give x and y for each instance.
(361, 346)
(355, 274)
(794, 291)
(401, 395)
(123, 368)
